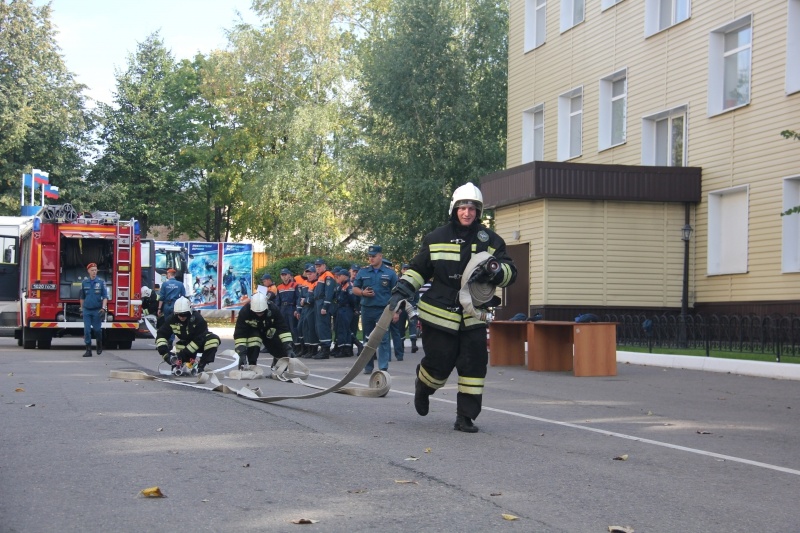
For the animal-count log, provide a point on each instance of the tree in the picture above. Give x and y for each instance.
(142, 135)
(43, 120)
(291, 84)
(435, 78)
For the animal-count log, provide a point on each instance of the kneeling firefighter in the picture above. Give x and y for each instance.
(260, 322)
(191, 337)
(455, 322)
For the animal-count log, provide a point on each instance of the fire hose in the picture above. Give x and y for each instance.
(292, 370)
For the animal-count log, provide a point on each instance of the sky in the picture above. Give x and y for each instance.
(96, 36)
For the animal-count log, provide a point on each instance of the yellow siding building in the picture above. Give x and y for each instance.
(706, 84)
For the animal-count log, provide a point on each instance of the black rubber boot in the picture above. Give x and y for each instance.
(325, 353)
(88, 352)
(298, 350)
(422, 396)
(465, 424)
(99, 343)
(312, 351)
(414, 348)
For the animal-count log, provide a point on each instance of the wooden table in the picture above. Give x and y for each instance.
(587, 349)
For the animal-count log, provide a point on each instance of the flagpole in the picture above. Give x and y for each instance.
(22, 192)
(33, 185)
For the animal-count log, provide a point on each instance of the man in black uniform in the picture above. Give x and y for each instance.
(260, 322)
(454, 338)
(191, 337)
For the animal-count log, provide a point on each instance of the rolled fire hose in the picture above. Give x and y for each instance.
(289, 369)
(476, 294)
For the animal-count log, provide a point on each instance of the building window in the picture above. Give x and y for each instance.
(790, 260)
(605, 4)
(533, 134)
(613, 109)
(727, 231)
(729, 66)
(570, 122)
(664, 138)
(661, 14)
(571, 13)
(793, 48)
(535, 23)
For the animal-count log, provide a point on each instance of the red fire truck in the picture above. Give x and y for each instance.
(49, 253)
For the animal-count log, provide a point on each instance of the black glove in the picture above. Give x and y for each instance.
(287, 346)
(163, 349)
(402, 291)
(241, 349)
(184, 355)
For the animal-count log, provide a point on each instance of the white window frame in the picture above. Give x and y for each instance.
(649, 134)
(716, 65)
(568, 19)
(535, 24)
(565, 116)
(727, 230)
(793, 47)
(606, 110)
(790, 249)
(533, 134)
(653, 10)
(606, 4)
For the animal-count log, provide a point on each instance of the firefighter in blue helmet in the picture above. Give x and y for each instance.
(454, 338)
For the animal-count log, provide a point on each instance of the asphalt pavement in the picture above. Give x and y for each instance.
(654, 448)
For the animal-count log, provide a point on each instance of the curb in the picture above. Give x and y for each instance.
(761, 369)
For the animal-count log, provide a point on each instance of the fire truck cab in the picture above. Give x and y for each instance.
(50, 253)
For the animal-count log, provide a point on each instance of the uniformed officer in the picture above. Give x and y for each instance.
(94, 305)
(345, 304)
(323, 301)
(354, 268)
(191, 337)
(454, 338)
(171, 290)
(308, 318)
(260, 322)
(374, 285)
(287, 303)
(269, 288)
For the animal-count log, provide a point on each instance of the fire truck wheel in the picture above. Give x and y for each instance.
(44, 344)
(28, 342)
(125, 345)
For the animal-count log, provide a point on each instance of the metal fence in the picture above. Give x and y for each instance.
(778, 335)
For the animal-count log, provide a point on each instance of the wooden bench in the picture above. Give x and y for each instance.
(586, 349)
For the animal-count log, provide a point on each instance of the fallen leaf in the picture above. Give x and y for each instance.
(19, 389)
(427, 450)
(623, 457)
(304, 521)
(31, 405)
(412, 458)
(509, 517)
(405, 481)
(10, 373)
(649, 413)
(152, 492)
(620, 529)
(160, 429)
(704, 433)
(204, 501)
(512, 379)
(357, 491)
(246, 465)
(496, 494)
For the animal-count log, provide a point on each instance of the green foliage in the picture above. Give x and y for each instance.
(43, 123)
(435, 77)
(142, 135)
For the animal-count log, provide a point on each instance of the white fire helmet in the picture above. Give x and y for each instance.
(146, 292)
(258, 303)
(182, 305)
(467, 193)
